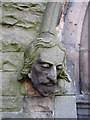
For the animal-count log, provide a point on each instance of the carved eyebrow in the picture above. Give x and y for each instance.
(43, 62)
(46, 62)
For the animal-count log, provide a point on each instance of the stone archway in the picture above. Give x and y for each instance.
(75, 37)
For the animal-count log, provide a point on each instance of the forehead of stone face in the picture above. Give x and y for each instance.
(53, 55)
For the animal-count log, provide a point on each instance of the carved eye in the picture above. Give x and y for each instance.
(45, 65)
(59, 67)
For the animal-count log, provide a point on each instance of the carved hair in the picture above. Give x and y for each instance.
(45, 41)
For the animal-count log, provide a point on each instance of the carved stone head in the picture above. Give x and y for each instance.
(44, 64)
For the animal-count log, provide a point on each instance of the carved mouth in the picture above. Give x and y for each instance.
(47, 84)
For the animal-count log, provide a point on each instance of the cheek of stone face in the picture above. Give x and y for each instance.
(39, 75)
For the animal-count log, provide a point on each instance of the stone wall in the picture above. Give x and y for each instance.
(76, 37)
(20, 25)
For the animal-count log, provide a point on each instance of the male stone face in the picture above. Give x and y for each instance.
(46, 69)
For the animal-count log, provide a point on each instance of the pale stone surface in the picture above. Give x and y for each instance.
(0, 83)
(0, 39)
(0, 61)
(16, 38)
(65, 107)
(21, 23)
(15, 115)
(70, 64)
(71, 37)
(70, 28)
(26, 115)
(11, 103)
(0, 103)
(10, 60)
(10, 85)
(40, 107)
(42, 115)
(67, 87)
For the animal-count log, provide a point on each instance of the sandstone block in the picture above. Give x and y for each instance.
(65, 107)
(20, 24)
(0, 61)
(11, 103)
(10, 85)
(39, 107)
(10, 61)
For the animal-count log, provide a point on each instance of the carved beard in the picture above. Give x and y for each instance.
(42, 88)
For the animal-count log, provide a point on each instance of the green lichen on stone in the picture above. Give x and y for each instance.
(9, 20)
(8, 47)
(20, 24)
(11, 103)
(9, 84)
(10, 61)
(22, 88)
(0, 61)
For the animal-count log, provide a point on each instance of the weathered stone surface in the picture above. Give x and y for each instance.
(30, 90)
(10, 85)
(16, 39)
(0, 61)
(84, 67)
(70, 68)
(10, 61)
(0, 44)
(70, 28)
(70, 63)
(0, 83)
(16, 115)
(23, 7)
(26, 115)
(11, 115)
(67, 88)
(42, 115)
(84, 36)
(0, 103)
(0, 14)
(65, 107)
(0, 115)
(38, 107)
(21, 23)
(11, 103)
(15, 13)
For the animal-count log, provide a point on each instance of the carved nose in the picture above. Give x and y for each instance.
(52, 76)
